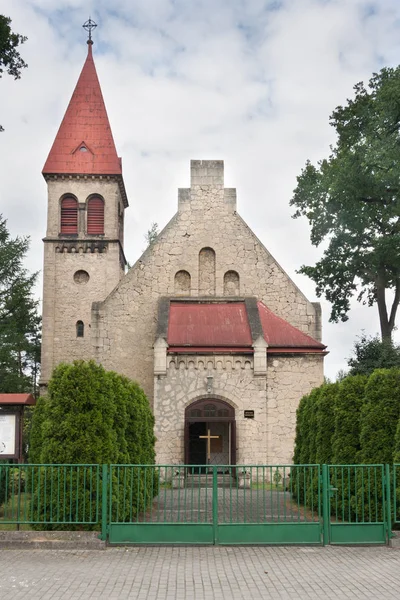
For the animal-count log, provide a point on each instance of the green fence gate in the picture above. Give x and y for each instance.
(241, 504)
(396, 495)
(356, 504)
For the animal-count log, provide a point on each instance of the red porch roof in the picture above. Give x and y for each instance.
(208, 324)
(224, 327)
(279, 333)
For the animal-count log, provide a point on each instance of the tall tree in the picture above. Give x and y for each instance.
(372, 353)
(352, 201)
(19, 319)
(10, 58)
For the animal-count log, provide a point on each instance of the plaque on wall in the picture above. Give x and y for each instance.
(249, 414)
(8, 435)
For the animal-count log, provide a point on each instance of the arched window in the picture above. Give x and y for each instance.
(231, 284)
(95, 215)
(182, 283)
(206, 272)
(80, 329)
(69, 215)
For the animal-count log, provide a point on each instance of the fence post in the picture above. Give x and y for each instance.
(215, 505)
(388, 503)
(325, 504)
(104, 502)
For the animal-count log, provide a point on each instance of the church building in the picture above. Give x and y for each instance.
(222, 341)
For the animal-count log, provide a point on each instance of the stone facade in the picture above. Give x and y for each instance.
(206, 250)
(78, 269)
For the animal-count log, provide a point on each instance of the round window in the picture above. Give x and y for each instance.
(81, 276)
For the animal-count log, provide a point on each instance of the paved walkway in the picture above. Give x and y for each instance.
(201, 573)
(194, 505)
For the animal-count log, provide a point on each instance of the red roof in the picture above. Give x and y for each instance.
(208, 324)
(17, 399)
(279, 333)
(85, 125)
(224, 326)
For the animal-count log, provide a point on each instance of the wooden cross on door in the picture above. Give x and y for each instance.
(208, 437)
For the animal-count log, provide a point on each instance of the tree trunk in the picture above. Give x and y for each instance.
(387, 324)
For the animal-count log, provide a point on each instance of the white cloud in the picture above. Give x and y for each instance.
(248, 81)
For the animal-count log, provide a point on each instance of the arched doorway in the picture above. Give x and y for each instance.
(210, 433)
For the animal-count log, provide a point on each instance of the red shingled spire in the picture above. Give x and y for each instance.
(84, 143)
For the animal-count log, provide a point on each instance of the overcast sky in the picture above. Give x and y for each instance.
(252, 82)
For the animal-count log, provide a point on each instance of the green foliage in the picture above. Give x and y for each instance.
(371, 353)
(352, 200)
(325, 423)
(347, 414)
(396, 454)
(91, 416)
(379, 416)
(151, 234)
(300, 429)
(36, 428)
(10, 59)
(19, 319)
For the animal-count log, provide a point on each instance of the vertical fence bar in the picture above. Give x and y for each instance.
(215, 505)
(104, 502)
(388, 504)
(325, 504)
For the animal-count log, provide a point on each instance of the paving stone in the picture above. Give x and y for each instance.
(201, 573)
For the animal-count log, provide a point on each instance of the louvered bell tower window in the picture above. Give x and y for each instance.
(95, 216)
(69, 215)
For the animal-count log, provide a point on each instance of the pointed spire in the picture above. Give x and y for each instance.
(84, 143)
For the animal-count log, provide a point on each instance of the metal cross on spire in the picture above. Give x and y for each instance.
(89, 25)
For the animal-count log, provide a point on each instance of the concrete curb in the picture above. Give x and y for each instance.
(57, 540)
(394, 542)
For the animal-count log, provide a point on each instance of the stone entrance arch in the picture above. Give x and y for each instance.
(214, 416)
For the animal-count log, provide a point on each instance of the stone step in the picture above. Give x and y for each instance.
(207, 481)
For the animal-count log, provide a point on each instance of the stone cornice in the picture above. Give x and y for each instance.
(118, 178)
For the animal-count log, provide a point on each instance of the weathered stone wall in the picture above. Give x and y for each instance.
(233, 381)
(266, 439)
(289, 378)
(124, 325)
(68, 298)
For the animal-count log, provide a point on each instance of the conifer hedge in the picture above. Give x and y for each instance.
(379, 416)
(91, 416)
(346, 437)
(325, 422)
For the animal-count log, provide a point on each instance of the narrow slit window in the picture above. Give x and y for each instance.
(69, 215)
(95, 216)
(80, 329)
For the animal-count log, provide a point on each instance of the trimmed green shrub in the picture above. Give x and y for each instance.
(325, 422)
(347, 414)
(92, 416)
(300, 429)
(35, 436)
(379, 416)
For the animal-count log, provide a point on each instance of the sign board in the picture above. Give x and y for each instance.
(249, 414)
(8, 436)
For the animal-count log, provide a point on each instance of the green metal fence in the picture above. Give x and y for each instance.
(396, 493)
(200, 504)
(203, 504)
(51, 495)
(356, 504)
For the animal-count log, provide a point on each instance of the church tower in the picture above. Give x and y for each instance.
(83, 248)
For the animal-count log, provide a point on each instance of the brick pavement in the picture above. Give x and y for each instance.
(201, 573)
